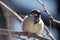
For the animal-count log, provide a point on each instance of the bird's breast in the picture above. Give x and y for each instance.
(29, 26)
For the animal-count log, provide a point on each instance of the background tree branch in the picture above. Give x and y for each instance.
(45, 10)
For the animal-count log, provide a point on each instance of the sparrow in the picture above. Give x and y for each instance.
(33, 23)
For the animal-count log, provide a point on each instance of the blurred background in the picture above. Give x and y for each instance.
(22, 7)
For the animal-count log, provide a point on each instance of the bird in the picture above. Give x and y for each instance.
(33, 23)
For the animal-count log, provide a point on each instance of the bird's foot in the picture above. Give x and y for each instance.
(34, 39)
(28, 34)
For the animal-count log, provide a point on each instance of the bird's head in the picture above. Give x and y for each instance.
(36, 14)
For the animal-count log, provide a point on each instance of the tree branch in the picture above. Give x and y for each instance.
(49, 33)
(56, 21)
(45, 10)
(6, 8)
(5, 31)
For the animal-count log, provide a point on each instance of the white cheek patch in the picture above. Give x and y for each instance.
(35, 14)
(40, 20)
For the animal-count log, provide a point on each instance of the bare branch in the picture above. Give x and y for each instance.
(5, 7)
(56, 21)
(5, 31)
(49, 33)
(45, 10)
(52, 19)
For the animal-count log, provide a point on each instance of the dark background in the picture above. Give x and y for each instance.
(24, 10)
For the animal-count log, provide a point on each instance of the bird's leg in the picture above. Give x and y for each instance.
(34, 38)
(28, 34)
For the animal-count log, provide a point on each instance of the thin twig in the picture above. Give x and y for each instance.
(45, 10)
(49, 33)
(42, 4)
(56, 21)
